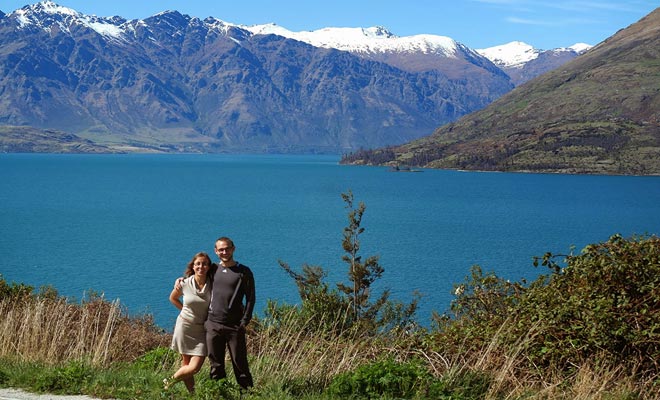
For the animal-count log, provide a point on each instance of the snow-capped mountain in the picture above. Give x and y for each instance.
(519, 60)
(517, 54)
(523, 62)
(411, 53)
(415, 53)
(511, 54)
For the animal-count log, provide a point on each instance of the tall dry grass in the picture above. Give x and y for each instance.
(291, 352)
(53, 330)
(294, 351)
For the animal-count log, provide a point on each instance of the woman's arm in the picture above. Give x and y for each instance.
(175, 298)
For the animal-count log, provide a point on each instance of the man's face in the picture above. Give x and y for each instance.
(224, 250)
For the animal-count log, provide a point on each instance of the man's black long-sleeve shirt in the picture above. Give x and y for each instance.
(230, 286)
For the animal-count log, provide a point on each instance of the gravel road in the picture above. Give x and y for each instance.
(17, 394)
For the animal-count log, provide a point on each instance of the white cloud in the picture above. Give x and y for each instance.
(525, 21)
(571, 5)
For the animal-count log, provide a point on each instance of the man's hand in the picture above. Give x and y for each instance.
(178, 284)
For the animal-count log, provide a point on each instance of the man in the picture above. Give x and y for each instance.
(228, 315)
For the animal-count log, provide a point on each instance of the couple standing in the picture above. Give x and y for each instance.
(213, 316)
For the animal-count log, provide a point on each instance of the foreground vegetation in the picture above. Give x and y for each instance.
(589, 328)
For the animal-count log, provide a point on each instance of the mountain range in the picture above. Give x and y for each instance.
(598, 113)
(173, 82)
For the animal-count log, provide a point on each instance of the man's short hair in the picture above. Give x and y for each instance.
(226, 240)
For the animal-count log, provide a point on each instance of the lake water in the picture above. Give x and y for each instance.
(126, 225)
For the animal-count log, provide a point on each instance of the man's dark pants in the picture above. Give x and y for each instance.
(218, 337)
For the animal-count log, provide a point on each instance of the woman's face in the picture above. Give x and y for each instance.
(201, 266)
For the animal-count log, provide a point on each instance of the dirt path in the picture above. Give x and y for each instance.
(17, 394)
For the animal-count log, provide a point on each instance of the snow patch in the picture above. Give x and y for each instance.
(22, 19)
(580, 47)
(367, 40)
(106, 29)
(511, 54)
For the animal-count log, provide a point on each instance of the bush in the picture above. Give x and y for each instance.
(601, 304)
(604, 301)
(483, 304)
(386, 378)
(4, 377)
(15, 291)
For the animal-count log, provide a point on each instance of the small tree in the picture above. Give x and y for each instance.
(361, 275)
(351, 303)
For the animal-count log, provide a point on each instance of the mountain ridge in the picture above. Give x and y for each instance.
(186, 84)
(205, 85)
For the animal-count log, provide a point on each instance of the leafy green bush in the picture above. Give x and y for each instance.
(14, 290)
(603, 301)
(207, 388)
(601, 304)
(385, 378)
(21, 291)
(300, 386)
(483, 305)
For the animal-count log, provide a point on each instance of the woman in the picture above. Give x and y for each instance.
(189, 338)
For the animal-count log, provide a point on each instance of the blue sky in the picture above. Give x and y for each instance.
(544, 24)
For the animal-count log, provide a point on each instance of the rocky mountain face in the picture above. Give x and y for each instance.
(599, 113)
(177, 83)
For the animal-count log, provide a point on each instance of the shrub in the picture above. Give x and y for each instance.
(15, 291)
(482, 305)
(602, 304)
(603, 301)
(385, 378)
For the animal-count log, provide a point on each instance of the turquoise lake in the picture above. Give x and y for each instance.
(126, 225)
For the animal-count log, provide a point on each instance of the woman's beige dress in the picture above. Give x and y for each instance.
(189, 335)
